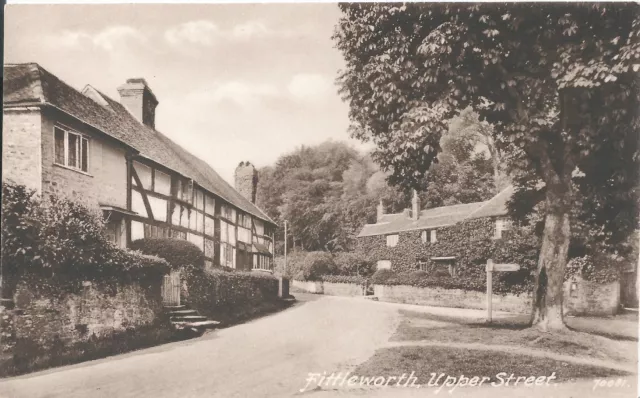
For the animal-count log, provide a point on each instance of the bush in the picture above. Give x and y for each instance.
(229, 296)
(360, 280)
(295, 264)
(381, 276)
(317, 264)
(177, 252)
(348, 263)
(56, 236)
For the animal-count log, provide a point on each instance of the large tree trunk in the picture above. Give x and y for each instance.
(547, 301)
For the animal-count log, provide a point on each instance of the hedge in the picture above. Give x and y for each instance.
(360, 280)
(56, 236)
(317, 264)
(224, 295)
(177, 252)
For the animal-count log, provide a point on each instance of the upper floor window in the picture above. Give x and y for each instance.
(244, 220)
(71, 149)
(501, 226)
(392, 240)
(228, 213)
(429, 236)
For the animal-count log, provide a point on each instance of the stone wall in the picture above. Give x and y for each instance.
(342, 289)
(307, 286)
(47, 314)
(583, 297)
(21, 147)
(455, 298)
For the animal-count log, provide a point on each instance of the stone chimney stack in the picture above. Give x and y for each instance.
(380, 211)
(415, 206)
(246, 181)
(138, 98)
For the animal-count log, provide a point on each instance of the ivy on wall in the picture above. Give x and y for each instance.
(472, 244)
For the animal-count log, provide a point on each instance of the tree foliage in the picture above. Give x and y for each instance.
(558, 82)
(326, 193)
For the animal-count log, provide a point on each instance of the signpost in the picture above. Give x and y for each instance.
(491, 268)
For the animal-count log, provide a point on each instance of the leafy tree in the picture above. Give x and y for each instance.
(558, 82)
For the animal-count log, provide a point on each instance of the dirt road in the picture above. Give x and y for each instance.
(268, 357)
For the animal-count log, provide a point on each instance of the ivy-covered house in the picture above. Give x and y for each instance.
(436, 238)
(109, 155)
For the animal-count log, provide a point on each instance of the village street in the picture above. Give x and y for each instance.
(268, 357)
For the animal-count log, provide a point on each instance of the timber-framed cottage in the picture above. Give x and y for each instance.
(108, 154)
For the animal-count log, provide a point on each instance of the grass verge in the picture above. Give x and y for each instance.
(425, 361)
(420, 326)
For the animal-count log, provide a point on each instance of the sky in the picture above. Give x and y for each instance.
(234, 82)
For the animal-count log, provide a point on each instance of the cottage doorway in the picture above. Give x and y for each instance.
(171, 289)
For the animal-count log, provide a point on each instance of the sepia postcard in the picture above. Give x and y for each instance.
(403, 199)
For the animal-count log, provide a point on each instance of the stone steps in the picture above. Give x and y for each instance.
(184, 318)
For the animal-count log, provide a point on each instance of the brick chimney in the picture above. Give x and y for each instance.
(415, 206)
(380, 211)
(246, 180)
(138, 98)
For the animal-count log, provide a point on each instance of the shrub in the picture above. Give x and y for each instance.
(60, 237)
(177, 252)
(381, 276)
(360, 280)
(597, 269)
(229, 296)
(317, 264)
(295, 263)
(349, 263)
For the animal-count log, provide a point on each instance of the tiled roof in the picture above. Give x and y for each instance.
(429, 218)
(30, 84)
(439, 216)
(496, 206)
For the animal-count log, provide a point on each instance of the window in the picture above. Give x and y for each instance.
(227, 212)
(71, 149)
(384, 264)
(392, 240)
(429, 236)
(244, 220)
(501, 226)
(422, 265)
(226, 255)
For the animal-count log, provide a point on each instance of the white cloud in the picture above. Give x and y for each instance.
(110, 38)
(207, 33)
(249, 30)
(309, 86)
(240, 93)
(194, 32)
(117, 36)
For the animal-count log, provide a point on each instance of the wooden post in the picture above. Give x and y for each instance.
(489, 288)
(284, 272)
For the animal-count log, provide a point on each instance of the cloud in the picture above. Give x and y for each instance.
(240, 93)
(118, 36)
(207, 33)
(250, 30)
(309, 86)
(108, 39)
(194, 32)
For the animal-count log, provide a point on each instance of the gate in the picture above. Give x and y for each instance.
(171, 289)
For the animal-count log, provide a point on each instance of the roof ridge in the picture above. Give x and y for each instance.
(486, 203)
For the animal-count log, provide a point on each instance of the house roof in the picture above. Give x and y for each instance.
(30, 84)
(429, 218)
(439, 216)
(496, 206)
